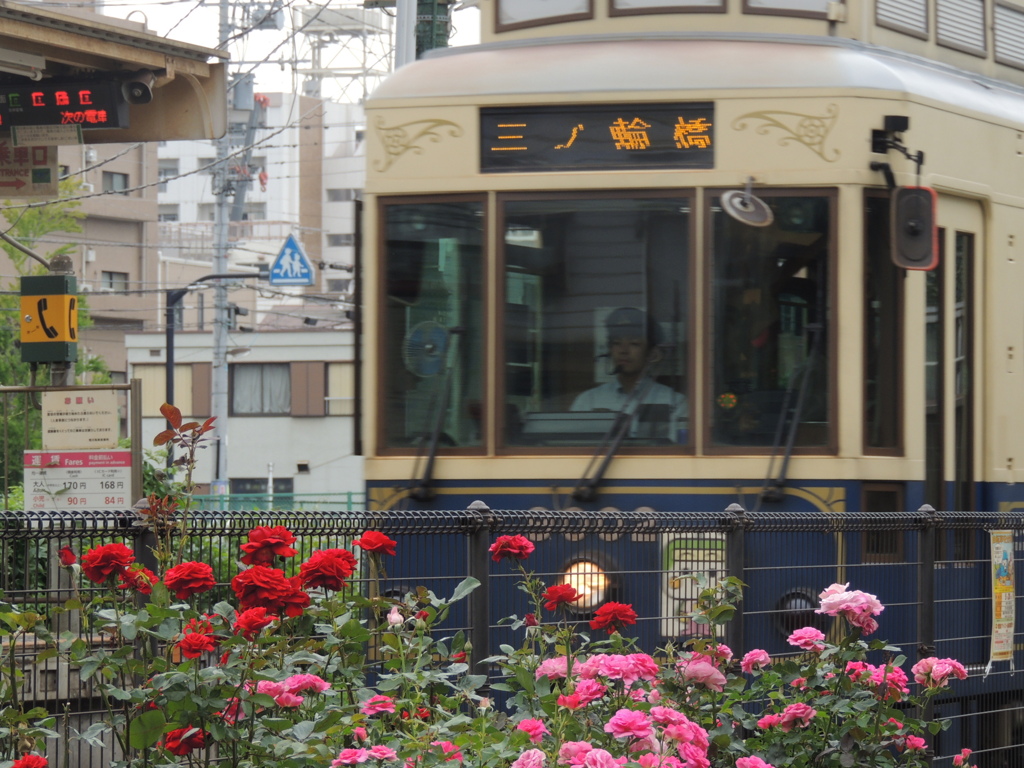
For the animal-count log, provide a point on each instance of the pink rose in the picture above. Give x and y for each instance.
(553, 669)
(798, 714)
(808, 638)
(856, 607)
(702, 673)
(755, 659)
(535, 729)
(629, 723)
(382, 753)
(531, 758)
(573, 752)
(350, 757)
(599, 758)
(916, 744)
(377, 704)
(933, 673)
(288, 700)
(960, 759)
(752, 762)
(769, 721)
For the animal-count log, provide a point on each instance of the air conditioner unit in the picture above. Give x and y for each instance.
(87, 187)
(90, 255)
(85, 287)
(105, 289)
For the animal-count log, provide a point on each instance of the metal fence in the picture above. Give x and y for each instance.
(932, 571)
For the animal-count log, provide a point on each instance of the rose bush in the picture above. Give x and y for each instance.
(307, 667)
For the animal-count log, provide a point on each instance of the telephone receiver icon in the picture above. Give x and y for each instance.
(49, 330)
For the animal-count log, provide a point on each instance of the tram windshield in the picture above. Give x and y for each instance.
(769, 294)
(595, 320)
(433, 365)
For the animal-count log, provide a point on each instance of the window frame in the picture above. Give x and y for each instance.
(108, 179)
(545, 21)
(498, 370)
(706, 406)
(380, 397)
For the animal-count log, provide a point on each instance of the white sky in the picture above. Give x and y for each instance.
(197, 22)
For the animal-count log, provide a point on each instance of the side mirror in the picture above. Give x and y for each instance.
(915, 239)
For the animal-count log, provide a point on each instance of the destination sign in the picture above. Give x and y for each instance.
(597, 137)
(88, 104)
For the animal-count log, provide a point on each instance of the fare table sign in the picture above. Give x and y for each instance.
(89, 480)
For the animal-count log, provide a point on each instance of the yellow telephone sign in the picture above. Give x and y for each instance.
(49, 319)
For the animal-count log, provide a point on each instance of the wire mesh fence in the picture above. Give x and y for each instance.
(934, 572)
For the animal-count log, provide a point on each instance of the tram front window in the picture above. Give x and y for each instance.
(770, 350)
(432, 337)
(595, 320)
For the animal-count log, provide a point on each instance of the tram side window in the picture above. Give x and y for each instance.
(432, 342)
(883, 285)
(770, 349)
(595, 321)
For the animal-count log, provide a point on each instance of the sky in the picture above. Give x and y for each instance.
(197, 22)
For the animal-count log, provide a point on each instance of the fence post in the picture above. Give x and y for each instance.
(735, 558)
(479, 568)
(926, 592)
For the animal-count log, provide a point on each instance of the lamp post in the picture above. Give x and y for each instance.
(174, 297)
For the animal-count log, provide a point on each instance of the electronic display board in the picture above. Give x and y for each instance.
(88, 104)
(597, 137)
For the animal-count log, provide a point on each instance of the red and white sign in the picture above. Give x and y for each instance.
(92, 480)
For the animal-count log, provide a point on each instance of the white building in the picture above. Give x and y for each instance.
(291, 424)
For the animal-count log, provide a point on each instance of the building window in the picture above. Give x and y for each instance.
(167, 168)
(115, 182)
(262, 389)
(168, 213)
(335, 241)
(338, 284)
(341, 389)
(341, 195)
(883, 326)
(114, 281)
(154, 388)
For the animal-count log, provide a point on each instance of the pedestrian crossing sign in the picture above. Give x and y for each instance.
(292, 266)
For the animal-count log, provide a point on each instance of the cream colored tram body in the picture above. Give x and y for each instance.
(713, 183)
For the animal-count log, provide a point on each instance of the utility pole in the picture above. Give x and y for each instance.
(221, 320)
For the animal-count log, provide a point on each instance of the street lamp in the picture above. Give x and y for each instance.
(174, 297)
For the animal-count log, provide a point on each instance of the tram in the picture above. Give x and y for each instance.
(804, 215)
(673, 255)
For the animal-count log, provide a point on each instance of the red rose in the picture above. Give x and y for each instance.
(260, 586)
(139, 578)
(189, 579)
(30, 761)
(194, 644)
(375, 541)
(101, 563)
(67, 558)
(560, 594)
(518, 547)
(250, 623)
(613, 616)
(181, 741)
(266, 543)
(327, 568)
(530, 620)
(201, 626)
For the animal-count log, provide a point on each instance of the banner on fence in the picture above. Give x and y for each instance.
(1003, 596)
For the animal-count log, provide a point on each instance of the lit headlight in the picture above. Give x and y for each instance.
(590, 581)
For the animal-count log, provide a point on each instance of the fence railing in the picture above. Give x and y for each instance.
(932, 571)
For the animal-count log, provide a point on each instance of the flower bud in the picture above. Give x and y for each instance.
(395, 616)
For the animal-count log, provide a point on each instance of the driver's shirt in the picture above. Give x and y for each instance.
(611, 397)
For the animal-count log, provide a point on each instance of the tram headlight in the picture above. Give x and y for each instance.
(590, 581)
(796, 609)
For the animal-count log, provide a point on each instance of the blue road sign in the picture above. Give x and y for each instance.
(292, 266)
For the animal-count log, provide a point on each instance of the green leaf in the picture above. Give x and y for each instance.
(146, 729)
(525, 679)
(464, 587)
(302, 731)
(93, 735)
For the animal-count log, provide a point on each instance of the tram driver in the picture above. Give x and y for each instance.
(634, 349)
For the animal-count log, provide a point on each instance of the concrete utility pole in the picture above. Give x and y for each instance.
(221, 320)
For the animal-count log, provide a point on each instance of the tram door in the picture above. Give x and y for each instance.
(950, 372)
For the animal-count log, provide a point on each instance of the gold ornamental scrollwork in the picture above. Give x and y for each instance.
(810, 130)
(410, 137)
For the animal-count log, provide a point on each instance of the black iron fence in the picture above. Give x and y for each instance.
(934, 572)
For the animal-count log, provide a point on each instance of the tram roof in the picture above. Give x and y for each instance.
(499, 73)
